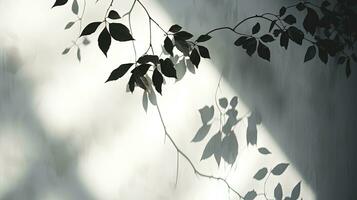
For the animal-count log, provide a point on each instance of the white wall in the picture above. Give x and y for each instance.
(65, 134)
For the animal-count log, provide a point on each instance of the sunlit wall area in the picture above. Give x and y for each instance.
(66, 135)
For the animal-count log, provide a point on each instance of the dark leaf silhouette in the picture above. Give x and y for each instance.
(240, 40)
(182, 46)
(201, 133)
(206, 114)
(256, 28)
(113, 15)
(290, 19)
(132, 83)
(234, 102)
(323, 55)
(60, 3)
(168, 46)
(261, 174)
(250, 45)
(195, 57)
(167, 68)
(75, 7)
(213, 147)
(104, 41)
(223, 102)
(295, 35)
(311, 21)
(141, 70)
(90, 28)
(282, 11)
(348, 68)
(230, 148)
(310, 53)
(120, 32)
(252, 131)
(203, 51)
(148, 58)
(69, 25)
(267, 38)
(183, 35)
(175, 28)
(119, 72)
(279, 169)
(300, 6)
(278, 192)
(284, 40)
(272, 24)
(263, 51)
(296, 191)
(64, 52)
(203, 38)
(157, 80)
(250, 195)
(264, 151)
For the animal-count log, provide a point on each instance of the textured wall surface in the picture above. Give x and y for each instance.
(64, 134)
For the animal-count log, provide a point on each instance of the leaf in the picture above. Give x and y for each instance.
(120, 32)
(290, 19)
(282, 11)
(267, 38)
(79, 54)
(145, 101)
(119, 72)
(278, 192)
(175, 28)
(264, 151)
(300, 6)
(256, 28)
(167, 68)
(148, 58)
(296, 191)
(203, 51)
(141, 70)
(90, 28)
(69, 25)
(182, 46)
(234, 102)
(131, 83)
(195, 58)
(157, 80)
(152, 97)
(272, 24)
(60, 3)
(75, 7)
(311, 21)
(223, 102)
(230, 148)
(252, 131)
(279, 169)
(168, 46)
(323, 55)
(284, 40)
(104, 41)
(203, 38)
(190, 66)
(180, 69)
(206, 114)
(113, 15)
(341, 60)
(64, 52)
(250, 195)
(295, 35)
(310, 53)
(263, 51)
(184, 35)
(348, 68)
(240, 40)
(201, 133)
(251, 46)
(213, 147)
(261, 174)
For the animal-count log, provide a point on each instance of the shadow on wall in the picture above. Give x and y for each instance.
(33, 156)
(309, 108)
